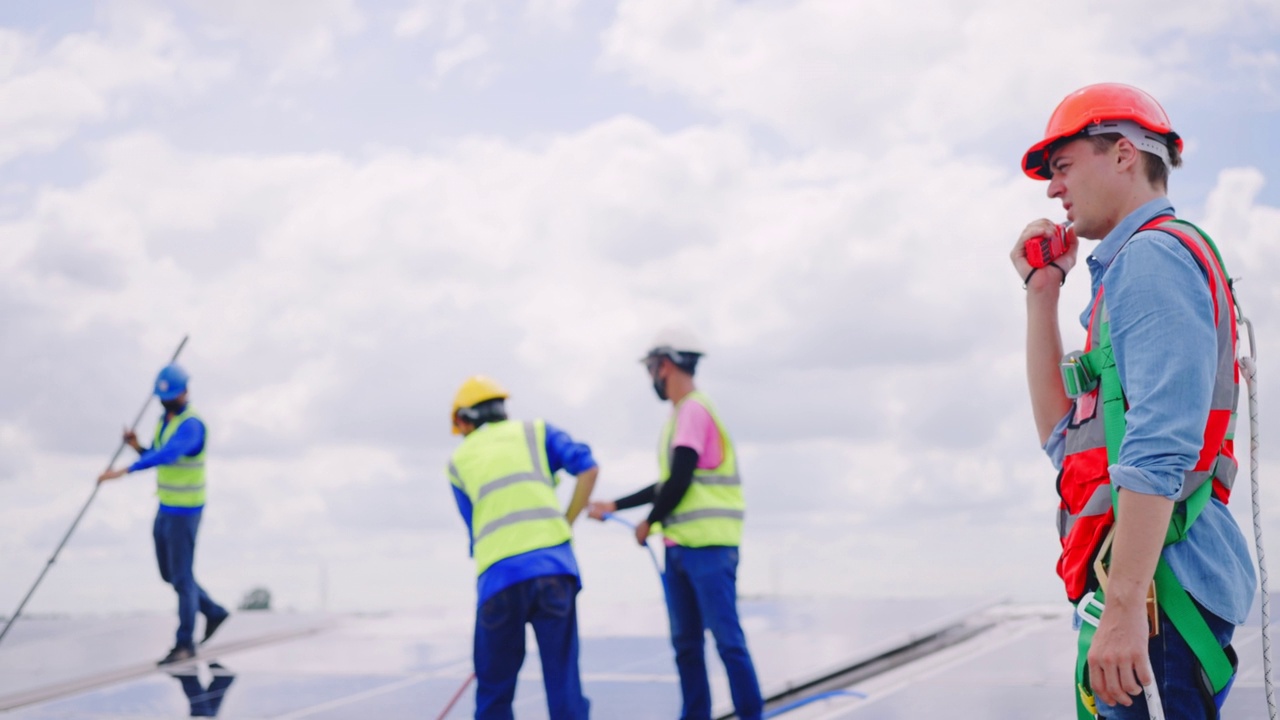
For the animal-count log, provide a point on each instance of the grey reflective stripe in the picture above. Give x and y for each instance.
(512, 479)
(1098, 504)
(1193, 481)
(1225, 471)
(192, 464)
(180, 488)
(717, 479)
(531, 438)
(692, 515)
(453, 473)
(518, 517)
(1089, 434)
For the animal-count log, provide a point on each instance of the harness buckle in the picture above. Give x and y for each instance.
(1076, 379)
(1085, 607)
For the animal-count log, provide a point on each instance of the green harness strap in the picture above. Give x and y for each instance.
(1100, 363)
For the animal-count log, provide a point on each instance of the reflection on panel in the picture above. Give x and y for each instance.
(204, 696)
(409, 665)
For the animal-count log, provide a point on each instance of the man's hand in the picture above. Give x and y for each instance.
(1038, 229)
(131, 439)
(1118, 661)
(112, 475)
(599, 508)
(642, 532)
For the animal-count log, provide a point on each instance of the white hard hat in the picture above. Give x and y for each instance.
(676, 342)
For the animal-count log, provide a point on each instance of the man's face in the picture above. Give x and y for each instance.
(654, 366)
(658, 372)
(1087, 183)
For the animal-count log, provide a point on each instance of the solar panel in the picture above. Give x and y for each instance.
(995, 662)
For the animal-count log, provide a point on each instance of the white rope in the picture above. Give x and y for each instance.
(1250, 370)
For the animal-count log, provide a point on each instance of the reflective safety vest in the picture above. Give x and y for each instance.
(1085, 514)
(711, 511)
(1094, 435)
(180, 484)
(502, 467)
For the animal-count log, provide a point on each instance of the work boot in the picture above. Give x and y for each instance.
(211, 626)
(178, 654)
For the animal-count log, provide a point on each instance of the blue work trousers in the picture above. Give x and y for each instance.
(205, 701)
(549, 603)
(175, 537)
(702, 593)
(1182, 690)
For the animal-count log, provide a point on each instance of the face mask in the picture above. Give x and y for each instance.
(660, 387)
(173, 406)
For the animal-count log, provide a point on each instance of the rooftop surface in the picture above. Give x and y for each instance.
(861, 659)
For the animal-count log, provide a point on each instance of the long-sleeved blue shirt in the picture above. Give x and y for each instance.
(563, 453)
(1162, 330)
(186, 441)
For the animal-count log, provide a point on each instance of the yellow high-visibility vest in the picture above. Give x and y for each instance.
(711, 511)
(502, 467)
(182, 483)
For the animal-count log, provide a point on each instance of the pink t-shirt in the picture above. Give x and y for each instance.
(696, 430)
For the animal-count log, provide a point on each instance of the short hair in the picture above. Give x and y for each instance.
(488, 411)
(1157, 172)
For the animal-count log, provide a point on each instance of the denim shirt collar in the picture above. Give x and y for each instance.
(1100, 259)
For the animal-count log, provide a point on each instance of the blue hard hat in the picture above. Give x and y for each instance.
(171, 382)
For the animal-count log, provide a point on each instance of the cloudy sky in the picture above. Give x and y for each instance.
(351, 207)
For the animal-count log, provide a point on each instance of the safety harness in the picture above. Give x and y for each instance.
(1097, 368)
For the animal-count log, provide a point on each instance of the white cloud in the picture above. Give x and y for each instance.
(296, 38)
(861, 74)
(466, 50)
(557, 13)
(413, 20)
(865, 329)
(48, 93)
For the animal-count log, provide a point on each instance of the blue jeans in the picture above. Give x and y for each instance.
(1177, 675)
(702, 593)
(205, 701)
(175, 537)
(549, 603)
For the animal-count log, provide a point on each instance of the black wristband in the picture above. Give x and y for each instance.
(1026, 280)
(1064, 273)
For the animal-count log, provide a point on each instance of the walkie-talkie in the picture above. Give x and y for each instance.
(1045, 249)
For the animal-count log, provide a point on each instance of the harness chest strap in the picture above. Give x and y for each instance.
(1099, 364)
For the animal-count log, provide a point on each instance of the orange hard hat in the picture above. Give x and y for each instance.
(1094, 104)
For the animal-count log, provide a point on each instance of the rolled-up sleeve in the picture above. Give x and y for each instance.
(1056, 446)
(1165, 342)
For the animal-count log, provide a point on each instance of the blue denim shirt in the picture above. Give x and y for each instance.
(1162, 329)
(563, 453)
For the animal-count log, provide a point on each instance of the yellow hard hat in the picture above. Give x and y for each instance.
(475, 390)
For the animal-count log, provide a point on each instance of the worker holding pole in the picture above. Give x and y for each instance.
(698, 507)
(504, 478)
(1140, 422)
(177, 453)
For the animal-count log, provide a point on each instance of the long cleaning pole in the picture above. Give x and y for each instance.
(456, 697)
(87, 503)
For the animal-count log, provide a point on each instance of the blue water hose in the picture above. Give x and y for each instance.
(652, 555)
(820, 696)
